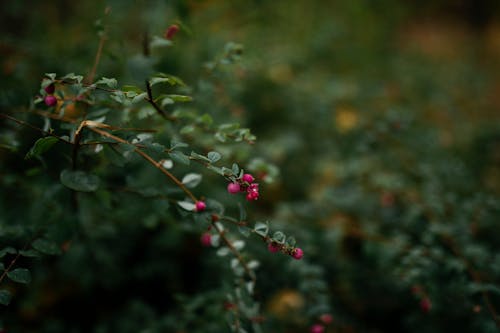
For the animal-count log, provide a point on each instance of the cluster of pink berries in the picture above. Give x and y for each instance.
(50, 99)
(325, 319)
(245, 184)
(296, 253)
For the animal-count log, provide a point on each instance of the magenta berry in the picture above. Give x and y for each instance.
(50, 89)
(50, 100)
(298, 253)
(425, 304)
(326, 318)
(206, 239)
(317, 328)
(171, 31)
(233, 188)
(273, 247)
(200, 206)
(247, 178)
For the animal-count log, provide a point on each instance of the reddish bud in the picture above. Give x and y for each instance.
(387, 199)
(206, 239)
(416, 290)
(317, 328)
(171, 31)
(233, 188)
(247, 178)
(50, 100)
(326, 318)
(200, 206)
(215, 217)
(425, 304)
(50, 89)
(298, 253)
(273, 247)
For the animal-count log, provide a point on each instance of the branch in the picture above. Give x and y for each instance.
(142, 154)
(235, 252)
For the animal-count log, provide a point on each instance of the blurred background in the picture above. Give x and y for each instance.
(382, 117)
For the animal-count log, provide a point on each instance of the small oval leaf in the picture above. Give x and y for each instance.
(79, 180)
(191, 180)
(5, 297)
(20, 275)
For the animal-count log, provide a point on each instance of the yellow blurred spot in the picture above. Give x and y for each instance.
(346, 118)
(280, 73)
(285, 303)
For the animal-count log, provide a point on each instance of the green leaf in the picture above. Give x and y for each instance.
(51, 76)
(245, 231)
(206, 119)
(179, 157)
(187, 129)
(135, 89)
(110, 82)
(29, 253)
(187, 205)
(226, 128)
(174, 144)
(221, 137)
(73, 77)
(279, 237)
(199, 157)
(155, 147)
(20, 275)
(118, 96)
(180, 98)
(41, 146)
(5, 297)
(290, 241)
(214, 156)
(46, 247)
(7, 250)
(157, 42)
(227, 172)
(215, 169)
(191, 180)
(155, 80)
(261, 228)
(139, 97)
(79, 180)
(235, 169)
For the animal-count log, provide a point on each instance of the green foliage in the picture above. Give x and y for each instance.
(375, 148)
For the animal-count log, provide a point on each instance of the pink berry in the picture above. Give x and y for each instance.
(247, 178)
(171, 31)
(317, 328)
(233, 188)
(273, 247)
(200, 206)
(50, 100)
(326, 318)
(50, 89)
(425, 304)
(298, 253)
(206, 239)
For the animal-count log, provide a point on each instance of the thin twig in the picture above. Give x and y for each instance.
(153, 103)
(235, 252)
(148, 158)
(20, 122)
